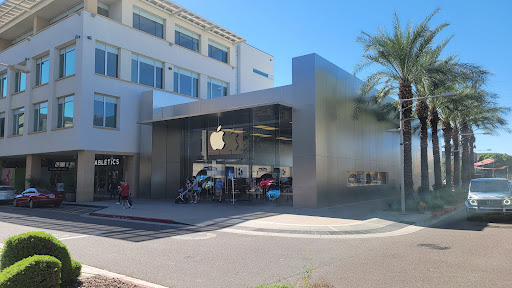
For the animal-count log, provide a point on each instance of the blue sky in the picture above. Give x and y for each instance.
(286, 29)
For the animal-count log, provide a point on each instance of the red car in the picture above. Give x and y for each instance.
(33, 197)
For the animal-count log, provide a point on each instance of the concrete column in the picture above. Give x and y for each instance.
(85, 176)
(40, 23)
(4, 44)
(131, 173)
(169, 30)
(203, 86)
(203, 49)
(125, 64)
(91, 6)
(127, 13)
(33, 168)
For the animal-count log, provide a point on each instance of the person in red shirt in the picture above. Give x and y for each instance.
(125, 193)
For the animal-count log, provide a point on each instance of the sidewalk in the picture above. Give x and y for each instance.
(357, 220)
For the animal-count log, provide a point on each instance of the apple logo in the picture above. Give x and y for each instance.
(216, 140)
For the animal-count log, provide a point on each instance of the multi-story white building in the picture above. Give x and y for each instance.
(74, 72)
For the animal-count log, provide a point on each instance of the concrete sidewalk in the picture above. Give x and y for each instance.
(363, 218)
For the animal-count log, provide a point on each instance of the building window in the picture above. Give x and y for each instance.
(217, 88)
(217, 51)
(40, 116)
(107, 58)
(260, 73)
(67, 61)
(146, 71)
(186, 38)
(2, 125)
(366, 178)
(17, 121)
(148, 23)
(20, 82)
(42, 70)
(105, 111)
(103, 9)
(186, 82)
(65, 112)
(3, 85)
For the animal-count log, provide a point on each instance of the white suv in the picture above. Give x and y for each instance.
(7, 193)
(488, 195)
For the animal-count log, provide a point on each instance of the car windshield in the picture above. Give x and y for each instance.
(489, 186)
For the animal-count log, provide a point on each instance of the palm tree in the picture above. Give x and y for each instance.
(399, 55)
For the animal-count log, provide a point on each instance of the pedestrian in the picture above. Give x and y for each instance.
(113, 189)
(125, 193)
(218, 189)
(190, 193)
(195, 189)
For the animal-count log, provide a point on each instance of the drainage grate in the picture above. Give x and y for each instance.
(434, 246)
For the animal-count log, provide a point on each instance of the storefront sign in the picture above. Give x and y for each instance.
(107, 162)
(55, 169)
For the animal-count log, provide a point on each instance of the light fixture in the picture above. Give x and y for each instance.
(77, 36)
(261, 135)
(89, 37)
(93, 15)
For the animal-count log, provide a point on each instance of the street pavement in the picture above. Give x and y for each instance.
(450, 253)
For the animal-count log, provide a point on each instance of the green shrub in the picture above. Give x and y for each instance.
(40, 271)
(435, 204)
(21, 246)
(38, 182)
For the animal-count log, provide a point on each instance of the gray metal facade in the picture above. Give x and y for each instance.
(327, 141)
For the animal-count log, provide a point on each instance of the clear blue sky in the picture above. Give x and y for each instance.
(286, 29)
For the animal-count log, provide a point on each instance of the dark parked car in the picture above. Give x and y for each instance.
(33, 197)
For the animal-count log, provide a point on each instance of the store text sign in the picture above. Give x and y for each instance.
(107, 162)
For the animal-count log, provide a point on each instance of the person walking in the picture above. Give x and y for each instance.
(218, 189)
(125, 193)
(196, 189)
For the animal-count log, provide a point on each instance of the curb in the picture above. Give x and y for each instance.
(88, 271)
(447, 210)
(84, 205)
(153, 220)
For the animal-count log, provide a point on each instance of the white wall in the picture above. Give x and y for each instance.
(250, 58)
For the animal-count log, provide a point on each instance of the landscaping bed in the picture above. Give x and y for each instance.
(103, 282)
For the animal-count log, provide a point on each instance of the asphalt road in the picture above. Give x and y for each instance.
(455, 253)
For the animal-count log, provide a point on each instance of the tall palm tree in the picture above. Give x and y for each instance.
(399, 56)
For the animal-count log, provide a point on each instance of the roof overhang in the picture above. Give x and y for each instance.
(188, 16)
(11, 9)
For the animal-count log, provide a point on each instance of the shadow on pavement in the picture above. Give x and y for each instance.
(46, 218)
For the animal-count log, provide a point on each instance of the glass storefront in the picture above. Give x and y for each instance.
(107, 176)
(249, 150)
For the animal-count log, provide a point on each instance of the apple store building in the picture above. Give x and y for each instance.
(293, 145)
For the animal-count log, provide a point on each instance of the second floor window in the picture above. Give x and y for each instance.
(186, 82)
(217, 51)
(105, 111)
(65, 112)
(217, 88)
(42, 70)
(18, 121)
(148, 23)
(146, 71)
(20, 82)
(3, 85)
(107, 58)
(40, 116)
(2, 124)
(67, 61)
(186, 38)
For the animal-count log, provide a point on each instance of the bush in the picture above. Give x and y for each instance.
(36, 271)
(38, 182)
(21, 246)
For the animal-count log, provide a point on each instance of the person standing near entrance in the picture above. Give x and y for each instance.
(218, 189)
(195, 189)
(125, 193)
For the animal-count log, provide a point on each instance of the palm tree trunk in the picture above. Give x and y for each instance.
(447, 135)
(434, 122)
(422, 112)
(456, 156)
(472, 154)
(405, 92)
(465, 155)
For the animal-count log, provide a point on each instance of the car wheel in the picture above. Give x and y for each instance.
(14, 203)
(57, 204)
(31, 204)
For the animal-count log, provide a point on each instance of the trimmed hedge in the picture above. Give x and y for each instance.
(40, 271)
(24, 245)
